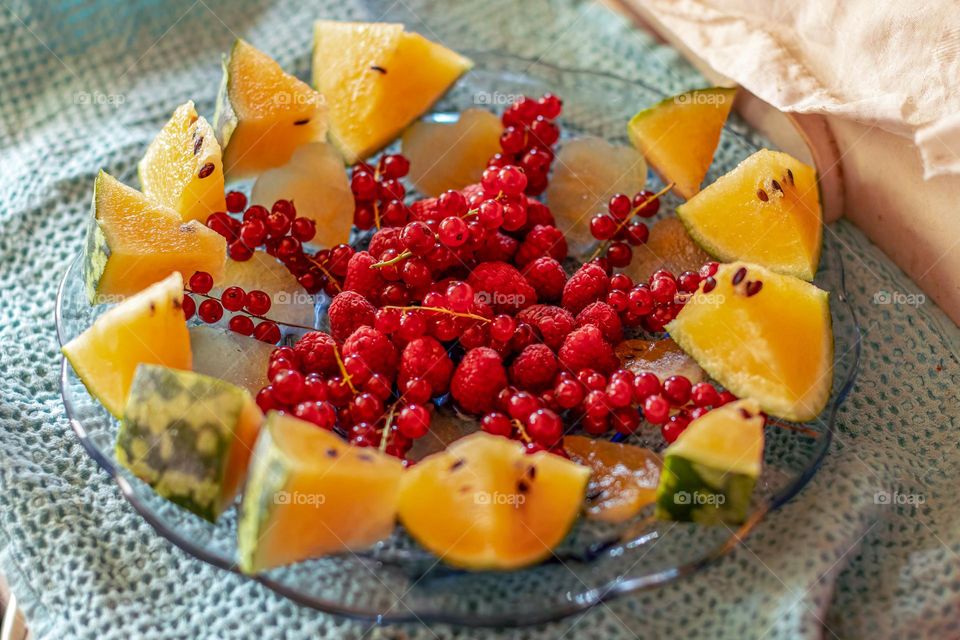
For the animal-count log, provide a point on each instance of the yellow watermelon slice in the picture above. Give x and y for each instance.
(377, 79)
(679, 135)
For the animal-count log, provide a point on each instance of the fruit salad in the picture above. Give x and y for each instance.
(354, 320)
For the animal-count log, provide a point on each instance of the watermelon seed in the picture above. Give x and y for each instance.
(762, 195)
(205, 170)
(739, 275)
(709, 284)
(523, 487)
(301, 122)
(745, 414)
(532, 472)
(378, 69)
(789, 176)
(456, 465)
(197, 145)
(331, 453)
(753, 287)
(776, 185)
(366, 457)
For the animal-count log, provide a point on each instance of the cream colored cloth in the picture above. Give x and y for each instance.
(894, 64)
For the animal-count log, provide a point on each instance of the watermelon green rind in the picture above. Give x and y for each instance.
(692, 492)
(176, 435)
(96, 251)
(269, 470)
(224, 118)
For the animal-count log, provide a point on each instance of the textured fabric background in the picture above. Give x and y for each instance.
(86, 84)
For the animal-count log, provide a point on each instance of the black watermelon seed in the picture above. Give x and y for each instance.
(762, 195)
(456, 465)
(301, 122)
(754, 287)
(709, 284)
(378, 69)
(745, 414)
(776, 185)
(789, 176)
(197, 145)
(739, 275)
(205, 170)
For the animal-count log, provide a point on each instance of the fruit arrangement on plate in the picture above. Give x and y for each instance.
(463, 335)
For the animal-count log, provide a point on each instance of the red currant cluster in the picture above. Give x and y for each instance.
(658, 301)
(528, 137)
(378, 193)
(247, 306)
(619, 231)
(282, 234)
(599, 403)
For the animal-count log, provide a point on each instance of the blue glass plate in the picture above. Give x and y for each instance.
(398, 581)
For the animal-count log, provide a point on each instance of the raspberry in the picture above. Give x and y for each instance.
(497, 247)
(552, 323)
(542, 241)
(374, 348)
(547, 277)
(348, 311)
(603, 317)
(362, 278)
(315, 351)
(534, 369)
(478, 379)
(587, 285)
(585, 348)
(502, 287)
(426, 358)
(425, 209)
(538, 213)
(386, 238)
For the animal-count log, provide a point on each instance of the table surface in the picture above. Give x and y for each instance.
(86, 84)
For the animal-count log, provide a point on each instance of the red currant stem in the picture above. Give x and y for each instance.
(392, 261)
(523, 432)
(606, 243)
(386, 428)
(376, 214)
(794, 427)
(252, 315)
(329, 275)
(343, 369)
(459, 314)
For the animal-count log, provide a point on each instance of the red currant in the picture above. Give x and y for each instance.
(236, 201)
(645, 385)
(677, 390)
(414, 421)
(189, 307)
(656, 408)
(497, 424)
(257, 302)
(284, 208)
(267, 331)
(242, 325)
(319, 413)
(453, 231)
(568, 393)
(417, 238)
(394, 166)
(602, 226)
(210, 311)
(619, 206)
(303, 229)
(288, 386)
(545, 427)
(649, 209)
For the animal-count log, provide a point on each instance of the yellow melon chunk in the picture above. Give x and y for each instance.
(765, 211)
(623, 480)
(680, 135)
(767, 337)
(484, 504)
(377, 79)
(451, 155)
(182, 168)
(309, 494)
(263, 113)
(132, 242)
(146, 328)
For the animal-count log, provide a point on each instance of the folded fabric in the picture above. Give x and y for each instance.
(893, 65)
